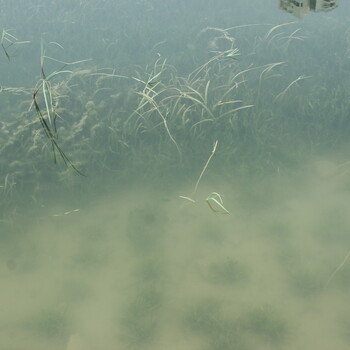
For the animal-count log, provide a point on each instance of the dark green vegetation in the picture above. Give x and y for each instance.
(266, 323)
(138, 100)
(228, 272)
(208, 320)
(51, 324)
(115, 107)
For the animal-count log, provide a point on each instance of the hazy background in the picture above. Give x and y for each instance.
(115, 257)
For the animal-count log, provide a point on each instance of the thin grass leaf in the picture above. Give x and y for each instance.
(216, 198)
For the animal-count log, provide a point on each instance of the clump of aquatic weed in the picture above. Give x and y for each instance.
(228, 272)
(307, 283)
(143, 230)
(151, 271)
(140, 320)
(52, 323)
(266, 323)
(206, 319)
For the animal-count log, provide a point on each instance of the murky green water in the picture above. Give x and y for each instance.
(200, 194)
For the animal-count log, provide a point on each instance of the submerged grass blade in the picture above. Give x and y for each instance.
(216, 198)
(205, 168)
(337, 269)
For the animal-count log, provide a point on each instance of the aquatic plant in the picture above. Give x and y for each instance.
(48, 115)
(143, 231)
(229, 272)
(158, 111)
(7, 41)
(206, 319)
(140, 320)
(151, 271)
(266, 323)
(214, 200)
(306, 283)
(52, 323)
(340, 266)
(216, 203)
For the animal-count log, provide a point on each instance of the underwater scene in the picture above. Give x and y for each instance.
(174, 175)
